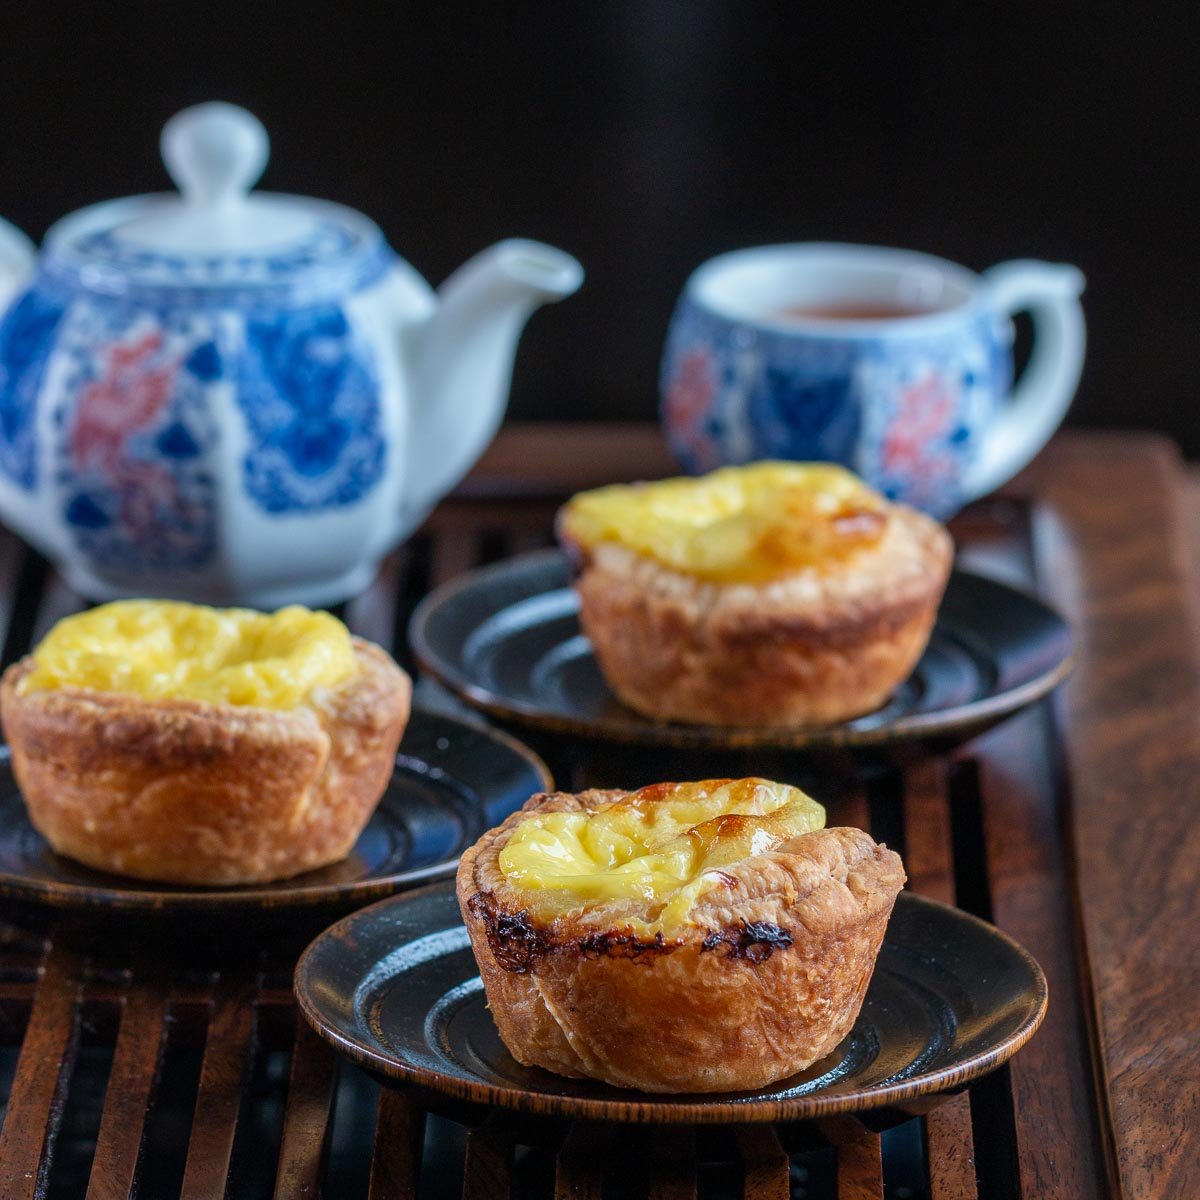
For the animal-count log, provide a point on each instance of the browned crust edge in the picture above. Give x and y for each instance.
(674, 649)
(187, 792)
(769, 981)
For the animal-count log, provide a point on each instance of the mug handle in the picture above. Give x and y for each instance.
(1049, 292)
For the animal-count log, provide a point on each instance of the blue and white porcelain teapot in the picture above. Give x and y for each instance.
(243, 397)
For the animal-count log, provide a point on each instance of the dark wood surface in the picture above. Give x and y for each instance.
(1119, 554)
(1068, 826)
(1109, 542)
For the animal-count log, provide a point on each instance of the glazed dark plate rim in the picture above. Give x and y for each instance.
(640, 730)
(648, 1108)
(145, 896)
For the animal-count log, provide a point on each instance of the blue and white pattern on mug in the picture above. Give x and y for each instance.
(906, 413)
(734, 394)
(926, 407)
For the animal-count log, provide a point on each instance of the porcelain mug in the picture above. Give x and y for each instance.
(921, 405)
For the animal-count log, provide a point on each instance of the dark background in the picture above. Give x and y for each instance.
(646, 136)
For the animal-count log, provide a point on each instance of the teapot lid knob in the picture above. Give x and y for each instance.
(214, 152)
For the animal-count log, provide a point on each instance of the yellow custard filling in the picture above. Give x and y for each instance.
(662, 846)
(748, 524)
(166, 649)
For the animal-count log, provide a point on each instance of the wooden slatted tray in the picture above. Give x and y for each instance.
(122, 1080)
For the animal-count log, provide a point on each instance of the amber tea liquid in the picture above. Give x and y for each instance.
(848, 312)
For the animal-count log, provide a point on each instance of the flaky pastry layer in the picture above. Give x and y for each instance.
(189, 792)
(818, 647)
(767, 977)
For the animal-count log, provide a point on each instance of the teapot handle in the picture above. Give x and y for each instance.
(1035, 408)
(18, 258)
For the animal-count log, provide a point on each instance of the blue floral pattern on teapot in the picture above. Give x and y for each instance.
(133, 427)
(235, 396)
(132, 436)
(26, 337)
(310, 393)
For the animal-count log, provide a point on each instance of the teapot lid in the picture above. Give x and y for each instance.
(215, 234)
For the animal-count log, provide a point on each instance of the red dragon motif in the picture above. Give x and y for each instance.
(128, 398)
(689, 396)
(924, 413)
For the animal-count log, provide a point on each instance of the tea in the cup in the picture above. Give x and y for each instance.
(895, 363)
(851, 311)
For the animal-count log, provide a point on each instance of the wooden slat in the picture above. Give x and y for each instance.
(860, 1167)
(453, 553)
(372, 615)
(110, 992)
(11, 551)
(39, 1085)
(223, 1075)
(525, 539)
(850, 808)
(131, 1085)
(579, 1169)
(306, 1118)
(549, 457)
(929, 855)
(396, 1160)
(1057, 1129)
(465, 516)
(1114, 550)
(410, 584)
(24, 588)
(57, 601)
(929, 860)
(766, 1164)
(950, 1151)
(487, 1170)
(1010, 798)
(1191, 509)
(673, 1166)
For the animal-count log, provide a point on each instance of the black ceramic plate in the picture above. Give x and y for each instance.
(395, 988)
(453, 780)
(507, 640)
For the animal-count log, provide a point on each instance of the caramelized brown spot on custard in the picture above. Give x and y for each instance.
(746, 524)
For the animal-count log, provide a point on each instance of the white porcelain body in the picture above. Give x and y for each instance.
(920, 406)
(222, 423)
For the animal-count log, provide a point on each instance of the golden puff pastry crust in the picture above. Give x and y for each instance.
(184, 791)
(767, 976)
(814, 648)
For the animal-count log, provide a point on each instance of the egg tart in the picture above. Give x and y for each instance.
(690, 937)
(771, 594)
(175, 742)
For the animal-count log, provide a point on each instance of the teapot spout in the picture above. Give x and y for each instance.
(462, 359)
